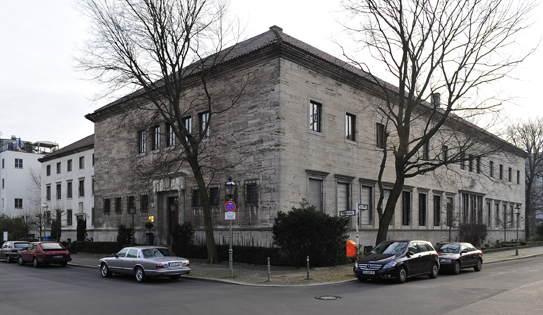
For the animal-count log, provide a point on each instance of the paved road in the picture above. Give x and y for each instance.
(511, 287)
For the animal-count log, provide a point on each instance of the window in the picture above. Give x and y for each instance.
(69, 190)
(518, 177)
(422, 209)
(489, 214)
(48, 192)
(58, 168)
(426, 151)
(437, 210)
(511, 216)
(214, 196)
(343, 197)
(131, 205)
(187, 121)
(18, 203)
(81, 162)
(478, 164)
(501, 171)
(18, 163)
(251, 193)
(69, 217)
(315, 116)
(462, 160)
(3, 184)
(510, 174)
(48, 170)
(107, 205)
(204, 124)
(82, 187)
(350, 124)
(155, 138)
(59, 191)
(315, 193)
(470, 162)
(93, 160)
(445, 151)
(366, 199)
(69, 166)
(472, 209)
(196, 199)
(491, 168)
(497, 214)
(118, 205)
(380, 135)
(144, 202)
(92, 186)
(450, 211)
(406, 208)
(504, 223)
(3, 163)
(170, 138)
(142, 141)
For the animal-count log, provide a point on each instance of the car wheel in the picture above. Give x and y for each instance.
(20, 261)
(63, 264)
(104, 271)
(176, 277)
(434, 271)
(8, 259)
(479, 265)
(456, 268)
(362, 279)
(35, 262)
(140, 274)
(401, 275)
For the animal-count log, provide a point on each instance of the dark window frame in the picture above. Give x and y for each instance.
(350, 127)
(142, 141)
(203, 120)
(155, 137)
(107, 205)
(380, 135)
(315, 116)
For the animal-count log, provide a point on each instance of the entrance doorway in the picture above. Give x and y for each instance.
(173, 213)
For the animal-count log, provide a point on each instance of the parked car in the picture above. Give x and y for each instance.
(44, 253)
(145, 261)
(456, 256)
(398, 260)
(10, 249)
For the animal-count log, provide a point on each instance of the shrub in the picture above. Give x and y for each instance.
(96, 247)
(242, 254)
(124, 235)
(472, 233)
(182, 237)
(539, 230)
(306, 232)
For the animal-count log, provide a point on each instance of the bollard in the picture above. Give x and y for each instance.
(307, 267)
(269, 272)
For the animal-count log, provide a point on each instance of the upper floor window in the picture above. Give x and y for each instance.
(3, 163)
(426, 151)
(58, 168)
(196, 199)
(170, 138)
(462, 160)
(187, 122)
(142, 141)
(251, 193)
(69, 187)
(18, 163)
(380, 135)
(478, 164)
(491, 168)
(107, 205)
(155, 138)
(510, 175)
(93, 160)
(315, 116)
(204, 124)
(18, 203)
(470, 163)
(118, 205)
(445, 151)
(350, 124)
(518, 177)
(501, 171)
(48, 170)
(131, 204)
(48, 192)
(144, 202)
(59, 191)
(81, 162)
(69, 166)
(214, 196)
(82, 187)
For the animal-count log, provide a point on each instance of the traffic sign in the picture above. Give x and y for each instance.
(229, 216)
(362, 207)
(347, 213)
(230, 206)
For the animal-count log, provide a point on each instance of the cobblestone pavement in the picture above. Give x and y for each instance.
(248, 274)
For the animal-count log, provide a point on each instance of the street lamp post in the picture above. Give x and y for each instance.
(517, 208)
(230, 188)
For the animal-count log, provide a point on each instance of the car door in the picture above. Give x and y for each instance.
(29, 252)
(414, 261)
(129, 261)
(427, 258)
(115, 263)
(465, 258)
(6, 248)
(472, 254)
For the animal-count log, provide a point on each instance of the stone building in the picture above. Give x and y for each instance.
(306, 128)
(67, 185)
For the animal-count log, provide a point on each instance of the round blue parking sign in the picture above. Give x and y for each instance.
(230, 206)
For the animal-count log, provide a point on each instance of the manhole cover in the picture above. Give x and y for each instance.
(328, 297)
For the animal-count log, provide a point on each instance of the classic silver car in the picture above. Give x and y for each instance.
(145, 261)
(10, 249)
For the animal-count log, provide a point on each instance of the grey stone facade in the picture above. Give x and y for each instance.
(277, 156)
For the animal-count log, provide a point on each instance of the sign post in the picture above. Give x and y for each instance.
(230, 215)
(359, 207)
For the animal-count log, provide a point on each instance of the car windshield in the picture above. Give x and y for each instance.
(21, 245)
(51, 246)
(156, 252)
(392, 248)
(448, 248)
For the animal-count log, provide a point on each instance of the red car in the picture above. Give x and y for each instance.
(43, 253)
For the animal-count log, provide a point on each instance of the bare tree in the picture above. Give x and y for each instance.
(440, 51)
(162, 49)
(528, 135)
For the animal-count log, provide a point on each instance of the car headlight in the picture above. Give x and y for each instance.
(389, 265)
(445, 260)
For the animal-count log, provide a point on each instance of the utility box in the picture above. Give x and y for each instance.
(351, 248)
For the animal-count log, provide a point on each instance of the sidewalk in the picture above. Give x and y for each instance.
(248, 274)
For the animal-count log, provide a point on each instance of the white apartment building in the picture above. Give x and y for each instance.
(19, 193)
(68, 185)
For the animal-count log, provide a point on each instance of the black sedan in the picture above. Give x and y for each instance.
(456, 256)
(398, 260)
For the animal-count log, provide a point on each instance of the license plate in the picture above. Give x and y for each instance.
(368, 272)
(175, 264)
(57, 257)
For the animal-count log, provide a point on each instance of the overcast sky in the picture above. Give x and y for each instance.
(42, 98)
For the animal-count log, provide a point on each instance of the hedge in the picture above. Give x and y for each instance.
(95, 247)
(242, 254)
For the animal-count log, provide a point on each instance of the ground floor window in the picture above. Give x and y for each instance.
(406, 208)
